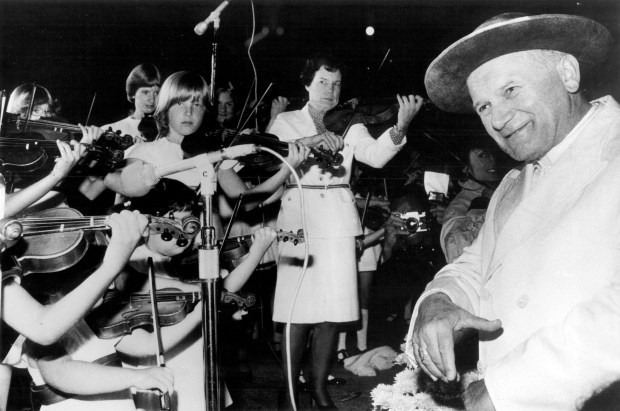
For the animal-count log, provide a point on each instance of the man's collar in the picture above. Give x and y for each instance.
(556, 152)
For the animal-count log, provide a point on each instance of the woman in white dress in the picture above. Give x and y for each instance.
(328, 294)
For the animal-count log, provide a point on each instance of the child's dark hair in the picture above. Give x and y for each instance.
(167, 195)
(143, 75)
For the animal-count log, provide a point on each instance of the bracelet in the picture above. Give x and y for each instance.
(400, 130)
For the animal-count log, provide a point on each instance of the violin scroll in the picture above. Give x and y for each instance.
(243, 300)
(326, 158)
(285, 236)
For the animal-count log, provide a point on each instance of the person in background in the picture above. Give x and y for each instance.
(540, 282)
(465, 214)
(21, 100)
(142, 89)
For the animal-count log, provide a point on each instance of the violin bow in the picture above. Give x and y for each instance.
(164, 399)
(365, 208)
(233, 217)
(254, 110)
(90, 110)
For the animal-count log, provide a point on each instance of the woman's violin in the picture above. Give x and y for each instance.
(54, 239)
(121, 313)
(339, 119)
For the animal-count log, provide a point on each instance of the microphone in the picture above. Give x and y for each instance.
(138, 178)
(202, 27)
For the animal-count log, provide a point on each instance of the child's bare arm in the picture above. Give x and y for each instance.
(85, 378)
(262, 239)
(46, 324)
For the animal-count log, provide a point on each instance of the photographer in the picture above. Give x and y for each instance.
(409, 256)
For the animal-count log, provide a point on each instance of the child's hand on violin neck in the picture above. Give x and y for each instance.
(69, 156)
(155, 378)
(262, 239)
(128, 228)
(328, 140)
(297, 154)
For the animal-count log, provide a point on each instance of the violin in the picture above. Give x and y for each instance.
(232, 253)
(121, 313)
(235, 249)
(53, 240)
(339, 119)
(29, 154)
(323, 157)
(148, 127)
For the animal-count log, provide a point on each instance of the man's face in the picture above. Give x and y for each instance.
(523, 104)
(324, 91)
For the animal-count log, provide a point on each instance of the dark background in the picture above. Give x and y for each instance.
(79, 48)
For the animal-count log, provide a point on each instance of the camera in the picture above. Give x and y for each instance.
(414, 222)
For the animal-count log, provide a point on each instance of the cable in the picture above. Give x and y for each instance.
(250, 57)
(301, 277)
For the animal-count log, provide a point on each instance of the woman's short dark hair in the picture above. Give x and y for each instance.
(144, 75)
(314, 64)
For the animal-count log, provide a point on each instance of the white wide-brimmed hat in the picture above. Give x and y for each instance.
(446, 76)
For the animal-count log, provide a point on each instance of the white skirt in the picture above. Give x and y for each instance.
(329, 288)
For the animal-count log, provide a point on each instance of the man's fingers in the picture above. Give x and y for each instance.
(446, 351)
(481, 324)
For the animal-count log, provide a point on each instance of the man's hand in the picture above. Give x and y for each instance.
(395, 226)
(476, 397)
(438, 321)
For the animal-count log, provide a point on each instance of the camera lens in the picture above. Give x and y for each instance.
(412, 224)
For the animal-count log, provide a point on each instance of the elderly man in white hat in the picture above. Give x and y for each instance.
(541, 284)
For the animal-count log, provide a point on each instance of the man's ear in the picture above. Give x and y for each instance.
(568, 69)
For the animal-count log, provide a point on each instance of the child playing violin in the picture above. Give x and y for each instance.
(179, 113)
(45, 324)
(187, 357)
(65, 372)
(39, 185)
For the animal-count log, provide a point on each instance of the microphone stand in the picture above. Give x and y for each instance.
(216, 26)
(209, 275)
